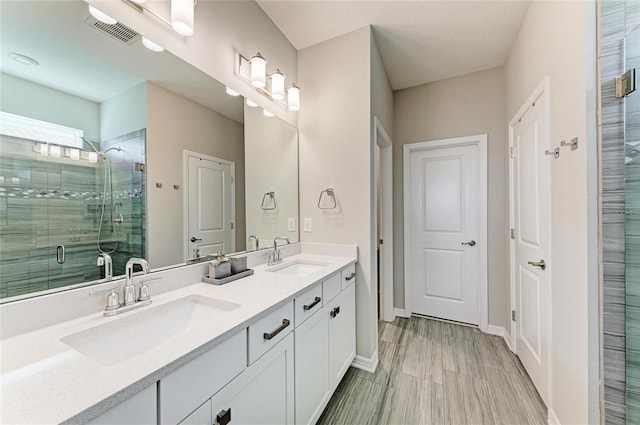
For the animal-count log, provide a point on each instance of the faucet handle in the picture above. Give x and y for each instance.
(113, 301)
(144, 289)
(111, 288)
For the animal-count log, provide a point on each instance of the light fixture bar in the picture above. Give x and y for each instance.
(142, 8)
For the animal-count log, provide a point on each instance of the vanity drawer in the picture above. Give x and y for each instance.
(331, 287)
(266, 332)
(348, 276)
(188, 387)
(308, 303)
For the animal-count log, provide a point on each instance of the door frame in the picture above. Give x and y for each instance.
(185, 196)
(381, 138)
(539, 94)
(479, 140)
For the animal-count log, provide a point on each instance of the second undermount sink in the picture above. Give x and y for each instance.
(298, 268)
(124, 338)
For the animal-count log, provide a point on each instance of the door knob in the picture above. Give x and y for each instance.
(194, 239)
(540, 264)
(470, 243)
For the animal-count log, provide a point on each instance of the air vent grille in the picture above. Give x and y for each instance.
(119, 32)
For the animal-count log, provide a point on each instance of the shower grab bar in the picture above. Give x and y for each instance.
(331, 195)
(271, 195)
(60, 254)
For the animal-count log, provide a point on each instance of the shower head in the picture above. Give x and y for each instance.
(116, 148)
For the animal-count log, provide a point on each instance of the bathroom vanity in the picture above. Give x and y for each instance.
(269, 348)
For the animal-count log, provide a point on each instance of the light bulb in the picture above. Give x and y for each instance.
(93, 157)
(74, 154)
(101, 16)
(277, 85)
(151, 45)
(293, 98)
(43, 148)
(182, 17)
(258, 71)
(251, 103)
(267, 113)
(139, 1)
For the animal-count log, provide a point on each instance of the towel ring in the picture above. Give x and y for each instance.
(271, 195)
(331, 195)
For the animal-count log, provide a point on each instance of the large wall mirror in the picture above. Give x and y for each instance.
(109, 148)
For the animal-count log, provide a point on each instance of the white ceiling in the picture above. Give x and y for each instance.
(419, 41)
(76, 58)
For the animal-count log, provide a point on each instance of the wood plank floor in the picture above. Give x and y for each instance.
(434, 372)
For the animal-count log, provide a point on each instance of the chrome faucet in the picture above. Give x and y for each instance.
(129, 289)
(257, 242)
(274, 256)
(104, 259)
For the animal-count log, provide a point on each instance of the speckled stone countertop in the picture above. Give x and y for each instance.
(43, 380)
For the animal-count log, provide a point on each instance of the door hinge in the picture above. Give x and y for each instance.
(231, 226)
(512, 152)
(513, 315)
(513, 233)
(626, 83)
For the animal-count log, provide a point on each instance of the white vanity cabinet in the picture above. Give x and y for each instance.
(325, 346)
(262, 394)
(342, 334)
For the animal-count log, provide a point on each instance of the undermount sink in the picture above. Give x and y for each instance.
(124, 338)
(298, 268)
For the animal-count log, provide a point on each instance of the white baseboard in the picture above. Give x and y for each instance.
(400, 312)
(495, 330)
(552, 419)
(365, 363)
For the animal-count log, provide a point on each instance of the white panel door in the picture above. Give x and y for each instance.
(210, 220)
(444, 202)
(531, 242)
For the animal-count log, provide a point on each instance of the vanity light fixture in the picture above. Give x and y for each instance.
(258, 71)
(231, 92)
(254, 70)
(277, 85)
(93, 157)
(139, 1)
(74, 154)
(182, 12)
(101, 16)
(293, 98)
(251, 103)
(42, 148)
(267, 113)
(151, 45)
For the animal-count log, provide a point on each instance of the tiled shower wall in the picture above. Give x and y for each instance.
(46, 202)
(618, 19)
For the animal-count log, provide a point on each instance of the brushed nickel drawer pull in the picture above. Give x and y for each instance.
(313, 304)
(334, 312)
(351, 276)
(223, 417)
(285, 323)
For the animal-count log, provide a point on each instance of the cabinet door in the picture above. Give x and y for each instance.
(139, 409)
(262, 394)
(202, 415)
(342, 334)
(313, 388)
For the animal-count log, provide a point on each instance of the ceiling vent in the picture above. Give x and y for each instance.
(119, 32)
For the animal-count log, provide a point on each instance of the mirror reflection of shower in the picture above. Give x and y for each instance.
(115, 208)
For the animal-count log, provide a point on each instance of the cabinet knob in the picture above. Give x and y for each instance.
(223, 417)
(334, 312)
(351, 276)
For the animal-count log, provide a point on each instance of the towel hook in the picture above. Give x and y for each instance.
(331, 195)
(272, 196)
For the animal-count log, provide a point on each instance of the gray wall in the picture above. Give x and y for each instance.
(461, 106)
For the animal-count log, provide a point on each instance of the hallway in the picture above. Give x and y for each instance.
(433, 372)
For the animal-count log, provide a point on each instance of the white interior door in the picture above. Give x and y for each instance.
(530, 213)
(444, 232)
(209, 211)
